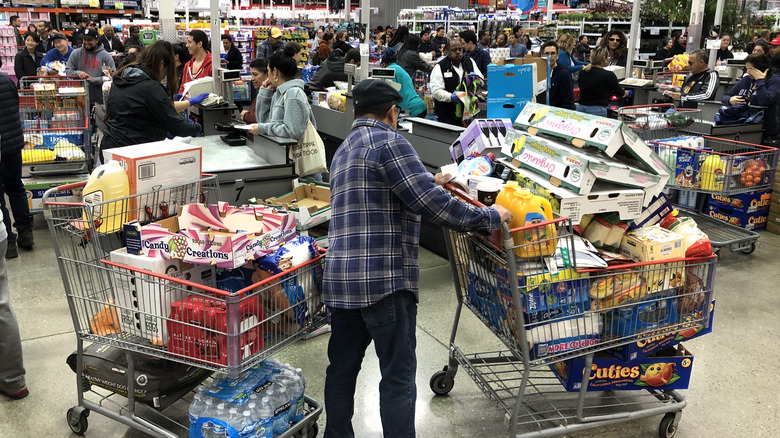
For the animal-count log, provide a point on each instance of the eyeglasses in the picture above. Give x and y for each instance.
(397, 110)
(615, 39)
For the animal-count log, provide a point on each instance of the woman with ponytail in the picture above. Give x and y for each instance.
(412, 101)
(597, 85)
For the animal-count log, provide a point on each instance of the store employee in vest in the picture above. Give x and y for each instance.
(445, 78)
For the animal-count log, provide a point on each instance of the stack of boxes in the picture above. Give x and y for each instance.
(773, 221)
(745, 210)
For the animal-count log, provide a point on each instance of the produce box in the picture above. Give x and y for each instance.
(150, 166)
(36, 186)
(607, 135)
(652, 244)
(603, 199)
(756, 220)
(666, 369)
(215, 234)
(310, 203)
(651, 344)
(505, 107)
(578, 169)
(143, 301)
(743, 202)
(511, 81)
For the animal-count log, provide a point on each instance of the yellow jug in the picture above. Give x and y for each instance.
(712, 173)
(529, 209)
(105, 184)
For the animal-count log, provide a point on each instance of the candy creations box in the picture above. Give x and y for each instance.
(756, 220)
(652, 244)
(481, 136)
(669, 368)
(144, 301)
(310, 203)
(603, 198)
(650, 344)
(160, 164)
(216, 234)
(578, 169)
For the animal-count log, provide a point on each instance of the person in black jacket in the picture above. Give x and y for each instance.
(597, 86)
(11, 144)
(480, 57)
(427, 46)
(409, 57)
(139, 108)
(341, 43)
(332, 70)
(664, 52)
(28, 60)
(233, 56)
(109, 41)
(561, 83)
(679, 42)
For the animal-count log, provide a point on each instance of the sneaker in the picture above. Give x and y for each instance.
(18, 395)
(25, 239)
(11, 252)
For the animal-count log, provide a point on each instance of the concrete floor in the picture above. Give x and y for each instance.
(733, 389)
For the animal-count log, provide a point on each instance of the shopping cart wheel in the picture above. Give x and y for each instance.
(309, 432)
(77, 419)
(440, 384)
(668, 429)
(749, 250)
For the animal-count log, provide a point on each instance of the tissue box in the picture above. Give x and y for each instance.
(577, 169)
(151, 166)
(652, 244)
(667, 369)
(144, 302)
(607, 135)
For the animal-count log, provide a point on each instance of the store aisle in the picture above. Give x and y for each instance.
(733, 389)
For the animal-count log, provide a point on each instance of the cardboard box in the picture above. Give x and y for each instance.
(577, 169)
(481, 136)
(756, 220)
(511, 81)
(774, 227)
(36, 186)
(161, 164)
(144, 302)
(743, 202)
(540, 64)
(607, 135)
(310, 203)
(216, 234)
(650, 344)
(604, 198)
(667, 369)
(505, 108)
(652, 244)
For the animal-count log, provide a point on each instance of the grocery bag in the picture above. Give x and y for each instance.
(309, 153)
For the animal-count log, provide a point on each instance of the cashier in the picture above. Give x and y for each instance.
(700, 85)
(446, 76)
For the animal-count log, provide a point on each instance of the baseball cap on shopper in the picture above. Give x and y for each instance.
(90, 33)
(372, 92)
(56, 35)
(775, 42)
(276, 33)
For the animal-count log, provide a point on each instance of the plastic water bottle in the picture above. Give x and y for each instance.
(264, 419)
(281, 405)
(218, 431)
(296, 403)
(234, 420)
(196, 409)
(207, 411)
(246, 425)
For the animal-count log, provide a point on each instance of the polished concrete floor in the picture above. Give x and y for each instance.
(734, 388)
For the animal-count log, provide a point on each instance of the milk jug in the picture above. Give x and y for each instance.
(106, 183)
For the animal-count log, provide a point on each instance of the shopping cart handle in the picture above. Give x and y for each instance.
(71, 186)
(463, 195)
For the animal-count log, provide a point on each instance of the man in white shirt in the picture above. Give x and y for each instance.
(445, 78)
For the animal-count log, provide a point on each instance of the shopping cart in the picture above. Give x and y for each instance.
(551, 312)
(55, 114)
(706, 165)
(170, 317)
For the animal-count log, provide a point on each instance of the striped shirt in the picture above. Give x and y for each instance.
(379, 191)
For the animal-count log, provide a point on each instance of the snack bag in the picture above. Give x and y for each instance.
(606, 231)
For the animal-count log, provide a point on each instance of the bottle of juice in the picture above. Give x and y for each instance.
(529, 209)
(506, 195)
(106, 183)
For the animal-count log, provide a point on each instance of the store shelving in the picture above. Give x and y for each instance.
(432, 17)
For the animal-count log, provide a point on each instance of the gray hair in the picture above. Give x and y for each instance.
(701, 55)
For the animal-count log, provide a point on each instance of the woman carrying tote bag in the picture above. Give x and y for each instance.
(283, 111)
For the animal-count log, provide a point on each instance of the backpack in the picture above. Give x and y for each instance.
(315, 58)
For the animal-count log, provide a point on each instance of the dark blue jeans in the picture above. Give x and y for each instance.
(11, 185)
(391, 324)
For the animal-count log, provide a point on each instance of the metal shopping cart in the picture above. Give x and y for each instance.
(547, 313)
(167, 317)
(55, 113)
(706, 165)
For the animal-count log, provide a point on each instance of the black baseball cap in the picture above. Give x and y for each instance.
(372, 92)
(90, 33)
(60, 35)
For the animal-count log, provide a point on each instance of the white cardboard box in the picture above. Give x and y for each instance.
(156, 165)
(145, 301)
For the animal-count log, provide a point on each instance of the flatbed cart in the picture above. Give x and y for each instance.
(716, 167)
(545, 318)
(106, 297)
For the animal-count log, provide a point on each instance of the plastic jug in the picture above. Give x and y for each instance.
(507, 194)
(529, 209)
(712, 173)
(106, 183)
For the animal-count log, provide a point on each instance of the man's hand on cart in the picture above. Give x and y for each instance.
(84, 75)
(506, 215)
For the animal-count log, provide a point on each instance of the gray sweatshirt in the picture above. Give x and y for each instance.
(91, 62)
(284, 117)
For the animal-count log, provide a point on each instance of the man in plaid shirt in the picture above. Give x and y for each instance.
(379, 191)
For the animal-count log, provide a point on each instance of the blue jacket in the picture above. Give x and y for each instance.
(55, 55)
(481, 58)
(573, 65)
(766, 93)
(412, 101)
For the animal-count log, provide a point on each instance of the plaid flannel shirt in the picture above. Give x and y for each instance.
(379, 191)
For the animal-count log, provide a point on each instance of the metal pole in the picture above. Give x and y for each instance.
(695, 25)
(718, 22)
(215, 32)
(549, 11)
(633, 39)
